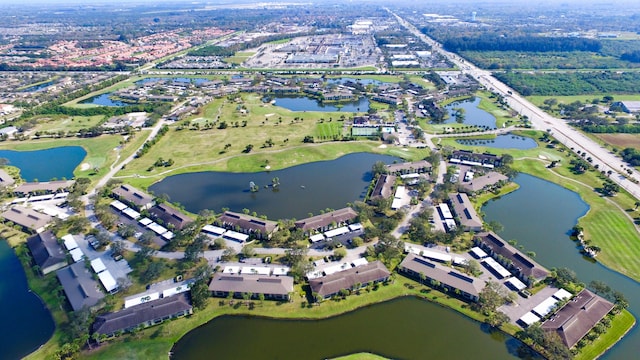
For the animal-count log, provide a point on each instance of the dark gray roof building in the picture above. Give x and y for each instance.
(133, 196)
(6, 179)
(384, 187)
(27, 218)
(578, 316)
(409, 167)
(248, 224)
(79, 286)
(482, 182)
(46, 252)
(272, 287)
(469, 219)
(448, 278)
(323, 222)
(43, 187)
(143, 315)
(521, 265)
(169, 215)
(330, 285)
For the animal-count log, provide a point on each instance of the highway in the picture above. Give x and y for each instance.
(558, 128)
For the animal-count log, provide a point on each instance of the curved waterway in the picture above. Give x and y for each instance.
(540, 215)
(303, 189)
(26, 322)
(405, 328)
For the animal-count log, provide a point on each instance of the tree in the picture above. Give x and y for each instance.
(200, 293)
(152, 271)
(389, 248)
(228, 255)
(565, 277)
(146, 238)
(144, 254)
(296, 258)
(248, 251)
(117, 248)
(339, 253)
(378, 168)
(599, 287)
(491, 298)
(127, 230)
(497, 318)
(195, 249)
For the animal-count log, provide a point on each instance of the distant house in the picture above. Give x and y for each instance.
(6, 179)
(132, 196)
(631, 107)
(441, 276)
(409, 167)
(484, 182)
(170, 216)
(511, 258)
(79, 286)
(142, 316)
(45, 187)
(469, 219)
(330, 285)
(46, 252)
(466, 157)
(29, 219)
(272, 287)
(384, 187)
(578, 316)
(325, 221)
(248, 224)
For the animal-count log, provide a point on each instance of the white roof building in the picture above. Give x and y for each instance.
(131, 213)
(545, 307)
(316, 238)
(69, 242)
(76, 254)
(562, 294)
(118, 205)
(98, 266)
(236, 236)
(359, 262)
(335, 232)
(213, 230)
(497, 268)
(231, 270)
(255, 270)
(140, 299)
(108, 281)
(479, 253)
(530, 318)
(517, 284)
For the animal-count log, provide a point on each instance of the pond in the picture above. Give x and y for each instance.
(419, 328)
(540, 215)
(303, 103)
(364, 82)
(103, 100)
(504, 141)
(26, 322)
(472, 114)
(46, 164)
(37, 87)
(303, 189)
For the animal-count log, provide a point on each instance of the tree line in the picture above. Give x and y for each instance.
(520, 43)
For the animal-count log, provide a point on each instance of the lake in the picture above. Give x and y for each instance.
(46, 164)
(504, 141)
(364, 82)
(37, 87)
(540, 215)
(103, 100)
(26, 322)
(472, 114)
(303, 189)
(303, 103)
(405, 328)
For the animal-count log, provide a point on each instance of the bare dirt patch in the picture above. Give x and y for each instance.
(621, 140)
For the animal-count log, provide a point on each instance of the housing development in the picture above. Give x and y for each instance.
(175, 175)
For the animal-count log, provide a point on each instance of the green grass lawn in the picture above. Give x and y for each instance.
(619, 327)
(70, 124)
(361, 356)
(538, 100)
(328, 130)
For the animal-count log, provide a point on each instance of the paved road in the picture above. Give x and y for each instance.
(566, 134)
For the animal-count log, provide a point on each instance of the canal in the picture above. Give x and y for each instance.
(539, 216)
(405, 328)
